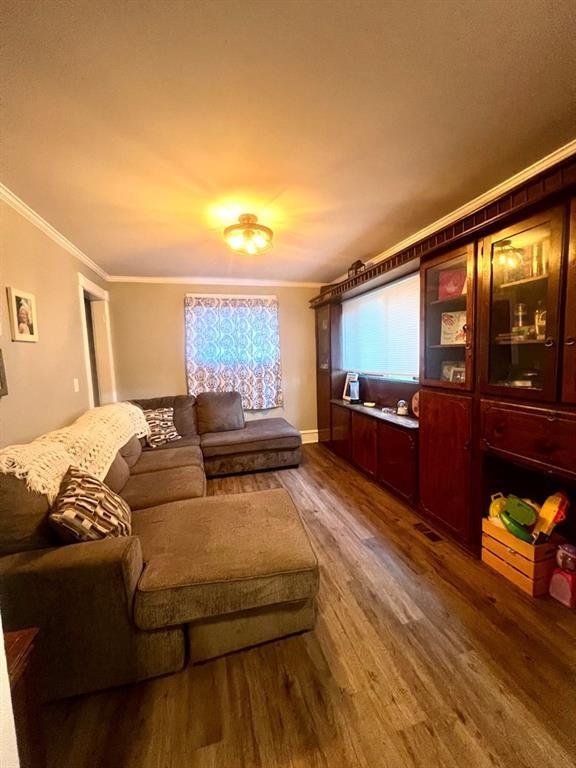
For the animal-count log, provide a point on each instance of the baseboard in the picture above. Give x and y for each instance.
(309, 436)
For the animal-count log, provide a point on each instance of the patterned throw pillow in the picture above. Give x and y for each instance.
(162, 429)
(86, 509)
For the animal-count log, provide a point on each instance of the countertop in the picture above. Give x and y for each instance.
(408, 422)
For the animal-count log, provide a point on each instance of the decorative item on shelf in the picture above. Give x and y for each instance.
(451, 283)
(447, 367)
(563, 581)
(453, 328)
(351, 388)
(540, 321)
(355, 268)
(247, 236)
(3, 382)
(402, 408)
(509, 260)
(23, 316)
(416, 404)
(368, 405)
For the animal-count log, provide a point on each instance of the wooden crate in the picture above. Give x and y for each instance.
(526, 565)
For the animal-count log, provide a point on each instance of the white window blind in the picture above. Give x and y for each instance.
(381, 330)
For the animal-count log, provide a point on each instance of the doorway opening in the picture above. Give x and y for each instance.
(98, 357)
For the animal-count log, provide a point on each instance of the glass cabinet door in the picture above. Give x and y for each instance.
(447, 320)
(569, 347)
(520, 302)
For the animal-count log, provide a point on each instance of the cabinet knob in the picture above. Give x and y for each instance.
(570, 341)
(549, 342)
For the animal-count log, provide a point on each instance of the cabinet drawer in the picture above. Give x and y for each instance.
(546, 439)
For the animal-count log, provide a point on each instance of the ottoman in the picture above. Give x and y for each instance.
(238, 570)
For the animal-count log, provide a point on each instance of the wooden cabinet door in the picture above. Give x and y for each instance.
(365, 443)
(398, 459)
(569, 345)
(341, 432)
(323, 378)
(445, 460)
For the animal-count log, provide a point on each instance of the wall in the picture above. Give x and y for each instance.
(40, 375)
(148, 340)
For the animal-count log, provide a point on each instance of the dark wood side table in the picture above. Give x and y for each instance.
(22, 672)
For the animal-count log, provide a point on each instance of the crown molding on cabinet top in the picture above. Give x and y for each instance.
(562, 153)
(553, 174)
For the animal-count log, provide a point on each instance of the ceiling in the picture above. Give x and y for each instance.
(140, 129)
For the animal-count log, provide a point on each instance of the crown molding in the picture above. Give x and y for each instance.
(20, 206)
(210, 281)
(562, 153)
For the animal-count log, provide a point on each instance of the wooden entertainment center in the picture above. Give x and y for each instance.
(498, 403)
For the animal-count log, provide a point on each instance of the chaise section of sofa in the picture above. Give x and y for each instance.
(238, 570)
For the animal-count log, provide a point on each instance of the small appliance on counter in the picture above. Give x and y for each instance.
(402, 408)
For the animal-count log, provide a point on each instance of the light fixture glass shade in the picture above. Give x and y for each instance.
(248, 236)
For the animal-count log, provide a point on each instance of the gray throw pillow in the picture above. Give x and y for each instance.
(219, 412)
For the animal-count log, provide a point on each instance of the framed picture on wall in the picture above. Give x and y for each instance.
(23, 315)
(3, 382)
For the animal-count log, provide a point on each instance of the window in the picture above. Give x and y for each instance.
(380, 330)
(233, 343)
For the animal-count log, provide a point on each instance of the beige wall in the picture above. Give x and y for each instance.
(148, 339)
(40, 376)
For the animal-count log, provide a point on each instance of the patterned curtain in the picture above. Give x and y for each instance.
(233, 343)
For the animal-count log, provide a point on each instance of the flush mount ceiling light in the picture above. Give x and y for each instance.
(248, 236)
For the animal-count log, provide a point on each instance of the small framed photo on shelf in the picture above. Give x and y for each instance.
(23, 316)
(448, 368)
(458, 375)
(453, 328)
(351, 388)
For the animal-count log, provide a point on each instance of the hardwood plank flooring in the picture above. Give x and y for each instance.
(422, 657)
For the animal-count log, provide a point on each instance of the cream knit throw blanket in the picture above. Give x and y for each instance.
(90, 443)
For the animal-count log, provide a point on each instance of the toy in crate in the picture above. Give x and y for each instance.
(526, 519)
(516, 539)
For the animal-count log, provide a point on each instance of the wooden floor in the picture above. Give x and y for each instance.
(421, 657)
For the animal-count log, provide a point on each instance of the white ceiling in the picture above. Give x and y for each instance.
(138, 128)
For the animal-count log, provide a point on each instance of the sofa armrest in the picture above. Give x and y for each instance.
(70, 585)
(80, 596)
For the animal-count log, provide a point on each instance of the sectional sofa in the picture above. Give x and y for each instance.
(199, 577)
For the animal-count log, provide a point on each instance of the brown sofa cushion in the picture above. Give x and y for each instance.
(165, 485)
(118, 474)
(184, 411)
(221, 555)
(132, 451)
(169, 458)
(219, 411)
(23, 518)
(87, 510)
(258, 435)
